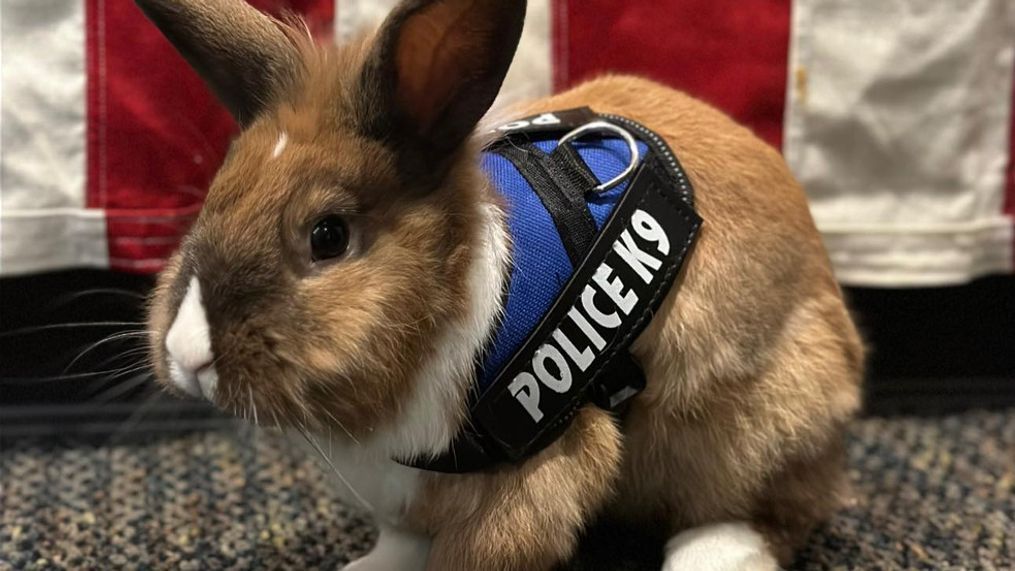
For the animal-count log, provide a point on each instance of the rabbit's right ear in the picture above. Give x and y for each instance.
(433, 71)
(242, 54)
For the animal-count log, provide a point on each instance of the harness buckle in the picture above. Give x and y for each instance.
(600, 127)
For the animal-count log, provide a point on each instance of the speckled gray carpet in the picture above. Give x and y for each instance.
(935, 493)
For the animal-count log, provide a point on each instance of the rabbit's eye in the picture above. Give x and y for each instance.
(329, 238)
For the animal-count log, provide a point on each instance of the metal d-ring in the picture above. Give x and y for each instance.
(603, 126)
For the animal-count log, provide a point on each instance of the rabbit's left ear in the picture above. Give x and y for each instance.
(242, 54)
(435, 69)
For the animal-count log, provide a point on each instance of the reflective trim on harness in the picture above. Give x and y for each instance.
(600, 227)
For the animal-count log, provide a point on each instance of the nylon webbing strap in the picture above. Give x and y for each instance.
(557, 186)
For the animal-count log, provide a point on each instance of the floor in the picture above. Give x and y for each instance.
(933, 493)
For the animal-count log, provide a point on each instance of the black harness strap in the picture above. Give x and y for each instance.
(566, 158)
(560, 194)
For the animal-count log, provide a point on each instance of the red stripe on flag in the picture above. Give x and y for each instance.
(734, 57)
(156, 135)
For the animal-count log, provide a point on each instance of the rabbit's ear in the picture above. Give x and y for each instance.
(242, 54)
(436, 68)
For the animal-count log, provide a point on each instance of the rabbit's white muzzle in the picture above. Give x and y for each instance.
(188, 346)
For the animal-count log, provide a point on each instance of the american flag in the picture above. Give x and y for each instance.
(896, 115)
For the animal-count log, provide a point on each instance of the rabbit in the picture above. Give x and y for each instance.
(348, 265)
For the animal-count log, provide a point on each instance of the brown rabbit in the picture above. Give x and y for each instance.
(348, 267)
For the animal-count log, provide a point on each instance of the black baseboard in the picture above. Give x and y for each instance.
(142, 418)
(937, 396)
(960, 332)
(935, 350)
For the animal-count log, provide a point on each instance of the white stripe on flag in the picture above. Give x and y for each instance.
(356, 17)
(531, 73)
(43, 220)
(897, 125)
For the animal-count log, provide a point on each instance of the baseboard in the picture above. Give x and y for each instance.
(937, 396)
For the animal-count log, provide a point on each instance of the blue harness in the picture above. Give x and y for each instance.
(601, 218)
(540, 262)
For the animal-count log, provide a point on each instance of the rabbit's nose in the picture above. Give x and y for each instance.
(188, 344)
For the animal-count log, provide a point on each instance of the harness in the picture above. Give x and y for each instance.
(601, 217)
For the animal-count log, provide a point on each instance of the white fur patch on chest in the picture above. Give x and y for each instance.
(366, 473)
(367, 479)
(427, 426)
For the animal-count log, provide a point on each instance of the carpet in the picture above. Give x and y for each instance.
(932, 493)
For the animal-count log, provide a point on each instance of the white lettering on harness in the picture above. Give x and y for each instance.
(525, 387)
(526, 391)
(544, 119)
(582, 358)
(559, 382)
(615, 289)
(650, 229)
(635, 257)
(610, 320)
(587, 328)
